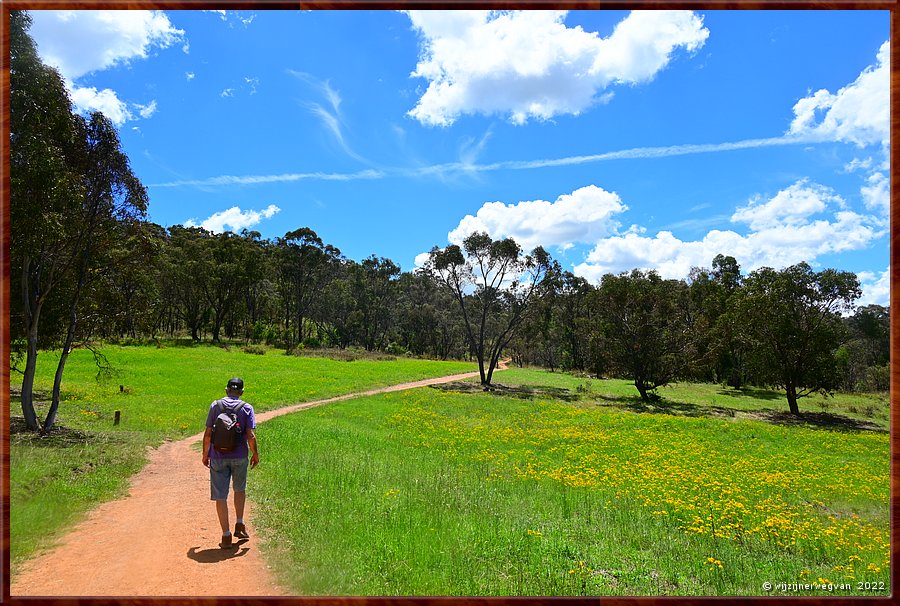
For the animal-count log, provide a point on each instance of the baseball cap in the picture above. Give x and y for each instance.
(236, 383)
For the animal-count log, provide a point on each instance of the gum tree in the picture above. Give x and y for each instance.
(792, 318)
(494, 284)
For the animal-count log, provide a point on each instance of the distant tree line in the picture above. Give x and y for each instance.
(86, 265)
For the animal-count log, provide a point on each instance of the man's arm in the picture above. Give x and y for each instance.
(254, 451)
(207, 440)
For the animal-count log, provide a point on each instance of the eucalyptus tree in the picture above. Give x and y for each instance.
(792, 318)
(71, 189)
(113, 197)
(570, 313)
(131, 291)
(495, 285)
(305, 266)
(187, 264)
(257, 290)
(375, 291)
(426, 322)
(45, 188)
(644, 328)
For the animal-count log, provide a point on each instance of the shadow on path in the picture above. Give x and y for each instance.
(211, 556)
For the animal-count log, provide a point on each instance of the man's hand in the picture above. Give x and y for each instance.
(254, 460)
(205, 459)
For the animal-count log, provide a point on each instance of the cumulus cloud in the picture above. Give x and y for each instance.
(582, 216)
(876, 194)
(876, 288)
(799, 223)
(791, 206)
(81, 42)
(106, 101)
(235, 218)
(528, 64)
(858, 113)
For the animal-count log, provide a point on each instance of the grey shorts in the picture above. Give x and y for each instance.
(223, 470)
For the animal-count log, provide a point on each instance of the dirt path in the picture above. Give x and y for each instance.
(162, 539)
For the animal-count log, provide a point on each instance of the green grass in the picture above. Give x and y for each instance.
(566, 486)
(692, 399)
(165, 394)
(433, 492)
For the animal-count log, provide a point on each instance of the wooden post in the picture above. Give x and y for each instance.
(118, 415)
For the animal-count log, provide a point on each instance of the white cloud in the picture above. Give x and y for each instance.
(283, 178)
(777, 237)
(799, 223)
(876, 288)
(81, 42)
(876, 194)
(528, 64)
(146, 110)
(857, 164)
(330, 116)
(228, 92)
(235, 218)
(89, 99)
(189, 75)
(790, 206)
(582, 216)
(858, 113)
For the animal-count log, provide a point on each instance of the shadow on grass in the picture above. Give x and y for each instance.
(820, 420)
(522, 392)
(752, 392)
(666, 407)
(58, 437)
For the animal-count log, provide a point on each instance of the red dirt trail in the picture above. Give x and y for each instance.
(162, 538)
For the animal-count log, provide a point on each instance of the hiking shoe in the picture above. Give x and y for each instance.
(240, 531)
(226, 542)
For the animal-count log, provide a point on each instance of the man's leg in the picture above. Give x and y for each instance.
(222, 512)
(240, 497)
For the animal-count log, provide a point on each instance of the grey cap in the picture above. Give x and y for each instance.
(236, 383)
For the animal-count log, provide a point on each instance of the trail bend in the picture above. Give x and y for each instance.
(161, 539)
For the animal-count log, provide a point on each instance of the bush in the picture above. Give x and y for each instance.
(876, 378)
(312, 342)
(254, 349)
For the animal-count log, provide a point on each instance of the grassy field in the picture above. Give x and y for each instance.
(551, 485)
(162, 394)
(574, 487)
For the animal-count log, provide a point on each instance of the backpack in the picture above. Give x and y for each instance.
(226, 431)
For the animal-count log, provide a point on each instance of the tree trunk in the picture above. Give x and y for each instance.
(32, 304)
(642, 389)
(67, 348)
(792, 400)
(28, 382)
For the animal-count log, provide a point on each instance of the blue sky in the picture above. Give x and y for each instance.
(615, 139)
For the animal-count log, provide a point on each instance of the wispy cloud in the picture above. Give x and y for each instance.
(283, 178)
(441, 170)
(330, 116)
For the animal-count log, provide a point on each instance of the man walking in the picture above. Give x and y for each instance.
(230, 466)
